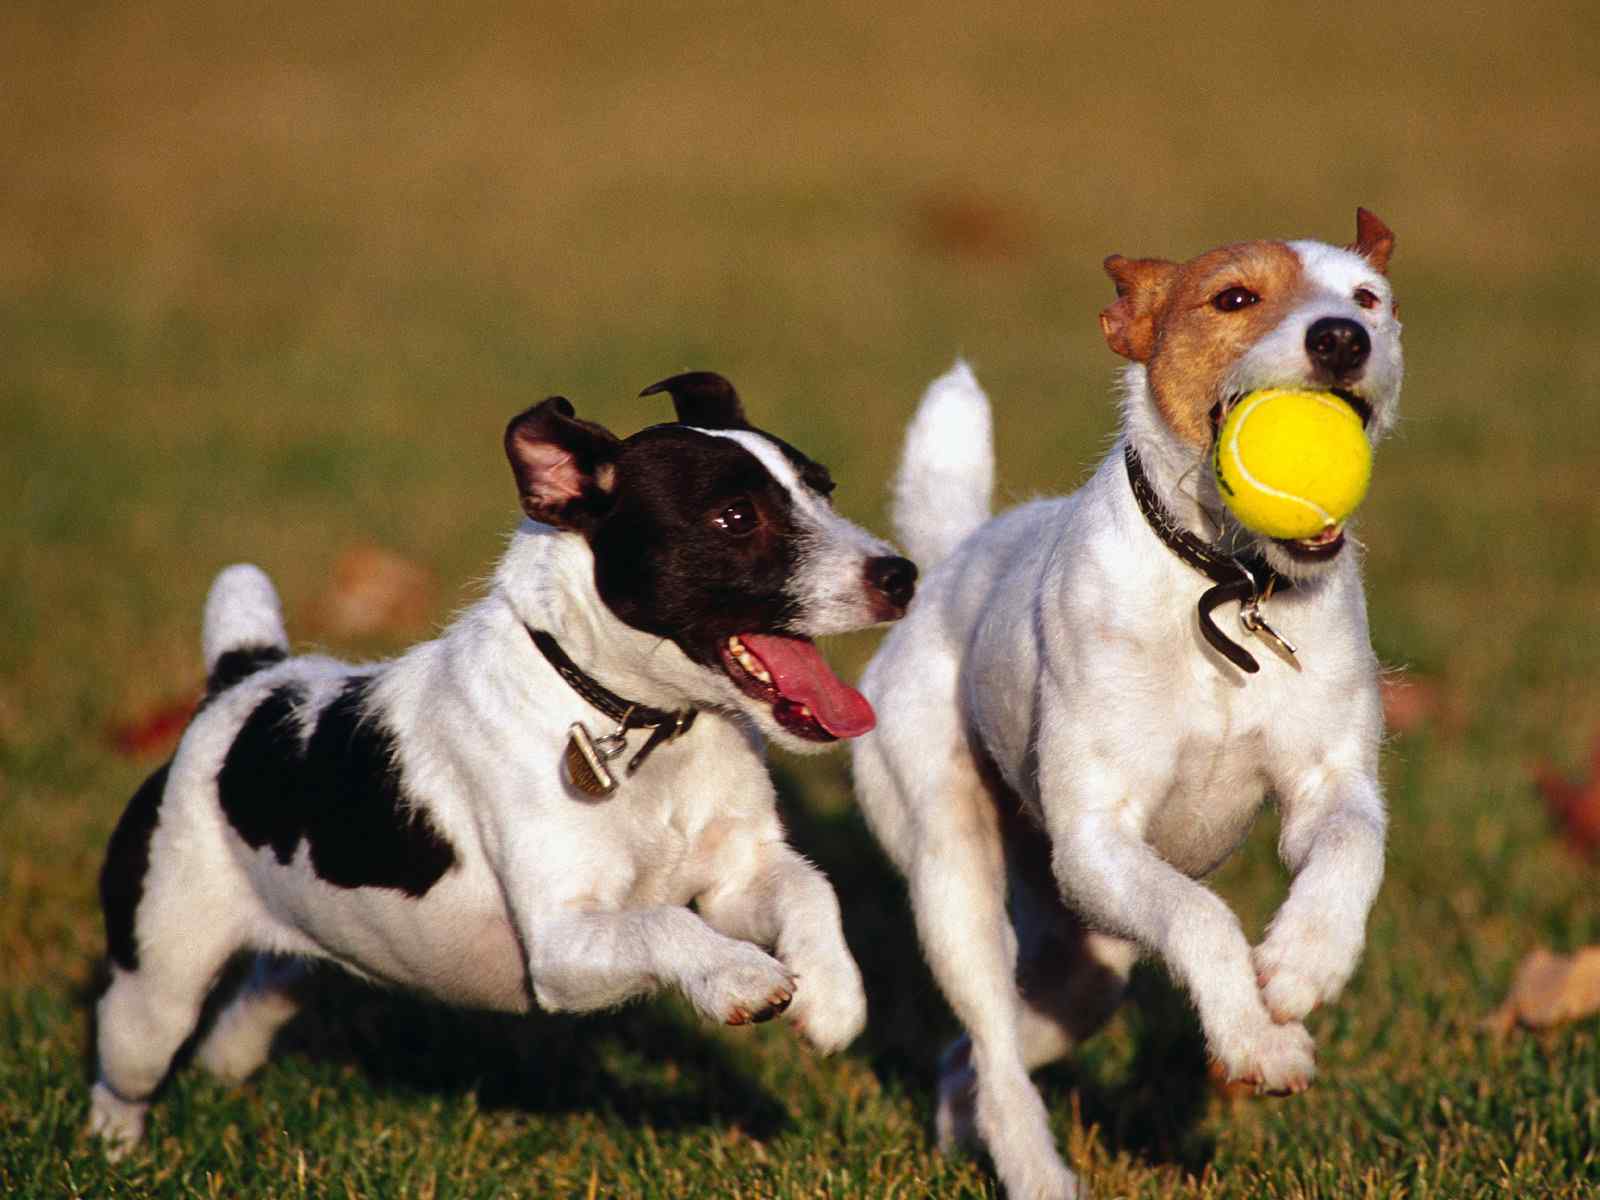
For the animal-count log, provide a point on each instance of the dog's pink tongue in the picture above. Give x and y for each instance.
(800, 673)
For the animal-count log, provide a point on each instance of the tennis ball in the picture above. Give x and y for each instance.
(1292, 464)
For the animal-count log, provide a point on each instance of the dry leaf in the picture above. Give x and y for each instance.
(1574, 804)
(1410, 702)
(373, 591)
(1549, 989)
(154, 731)
(972, 226)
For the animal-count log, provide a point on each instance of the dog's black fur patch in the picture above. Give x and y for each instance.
(340, 790)
(661, 563)
(127, 860)
(238, 664)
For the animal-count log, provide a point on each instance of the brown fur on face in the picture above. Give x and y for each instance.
(1164, 316)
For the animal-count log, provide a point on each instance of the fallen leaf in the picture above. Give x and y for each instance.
(1410, 702)
(1574, 804)
(373, 591)
(972, 226)
(1550, 989)
(154, 731)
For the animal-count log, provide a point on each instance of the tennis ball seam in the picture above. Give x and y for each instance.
(1245, 413)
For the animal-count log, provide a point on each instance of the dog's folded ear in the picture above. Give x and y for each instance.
(703, 399)
(1374, 240)
(565, 466)
(1129, 325)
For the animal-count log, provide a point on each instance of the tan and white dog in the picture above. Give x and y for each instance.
(1061, 756)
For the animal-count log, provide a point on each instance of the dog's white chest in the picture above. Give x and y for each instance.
(1213, 797)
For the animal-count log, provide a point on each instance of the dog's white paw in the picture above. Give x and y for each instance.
(830, 1005)
(747, 986)
(1278, 1058)
(1302, 964)
(118, 1123)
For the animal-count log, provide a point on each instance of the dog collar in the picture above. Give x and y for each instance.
(587, 756)
(1249, 579)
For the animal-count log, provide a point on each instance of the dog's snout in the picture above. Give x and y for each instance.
(1338, 345)
(894, 578)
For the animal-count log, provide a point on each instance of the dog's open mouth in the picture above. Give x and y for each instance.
(1315, 549)
(1331, 540)
(790, 674)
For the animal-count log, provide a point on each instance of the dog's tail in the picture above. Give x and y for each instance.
(946, 479)
(243, 629)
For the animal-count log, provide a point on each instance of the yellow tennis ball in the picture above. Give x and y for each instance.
(1292, 464)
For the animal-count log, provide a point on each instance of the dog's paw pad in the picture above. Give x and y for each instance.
(775, 1004)
(749, 988)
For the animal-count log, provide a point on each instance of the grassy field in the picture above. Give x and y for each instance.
(272, 277)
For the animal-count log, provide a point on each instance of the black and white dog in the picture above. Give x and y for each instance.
(521, 811)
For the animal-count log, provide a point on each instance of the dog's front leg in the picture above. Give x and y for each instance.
(1124, 887)
(1332, 840)
(771, 895)
(583, 960)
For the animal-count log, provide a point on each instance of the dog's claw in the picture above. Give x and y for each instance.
(776, 1003)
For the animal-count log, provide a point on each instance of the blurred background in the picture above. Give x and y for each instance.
(273, 276)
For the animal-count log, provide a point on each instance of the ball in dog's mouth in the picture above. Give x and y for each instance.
(790, 674)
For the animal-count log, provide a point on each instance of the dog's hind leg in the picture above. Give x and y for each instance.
(931, 807)
(1070, 978)
(186, 922)
(142, 1020)
(240, 1038)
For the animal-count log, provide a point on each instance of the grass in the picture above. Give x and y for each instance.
(272, 278)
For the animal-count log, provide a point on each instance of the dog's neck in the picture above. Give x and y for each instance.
(547, 577)
(1177, 472)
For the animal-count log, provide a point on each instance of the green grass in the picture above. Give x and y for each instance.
(273, 277)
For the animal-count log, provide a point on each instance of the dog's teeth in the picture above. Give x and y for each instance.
(748, 661)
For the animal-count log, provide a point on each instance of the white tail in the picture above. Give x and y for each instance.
(242, 613)
(945, 484)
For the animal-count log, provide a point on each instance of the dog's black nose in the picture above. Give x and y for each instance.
(1338, 345)
(895, 578)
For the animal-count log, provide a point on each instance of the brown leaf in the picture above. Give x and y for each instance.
(1411, 702)
(1550, 989)
(972, 226)
(1574, 804)
(373, 591)
(154, 731)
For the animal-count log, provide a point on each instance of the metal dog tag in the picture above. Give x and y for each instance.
(586, 763)
(1250, 617)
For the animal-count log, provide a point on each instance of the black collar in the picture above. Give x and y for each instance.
(665, 726)
(1245, 578)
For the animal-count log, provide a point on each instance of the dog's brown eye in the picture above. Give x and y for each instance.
(738, 518)
(1367, 298)
(1233, 299)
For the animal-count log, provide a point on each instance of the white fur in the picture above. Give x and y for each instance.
(1061, 640)
(946, 494)
(555, 899)
(242, 611)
